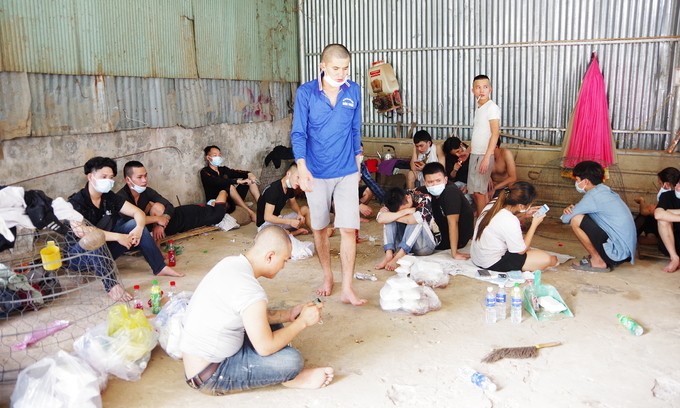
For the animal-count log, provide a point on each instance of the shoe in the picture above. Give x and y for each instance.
(228, 223)
(586, 266)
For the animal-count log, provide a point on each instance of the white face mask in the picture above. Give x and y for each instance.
(579, 189)
(332, 82)
(436, 190)
(677, 194)
(216, 160)
(138, 189)
(103, 185)
(288, 184)
(661, 191)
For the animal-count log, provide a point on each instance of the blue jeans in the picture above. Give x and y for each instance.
(416, 238)
(246, 369)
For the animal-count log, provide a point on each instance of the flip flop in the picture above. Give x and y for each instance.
(586, 266)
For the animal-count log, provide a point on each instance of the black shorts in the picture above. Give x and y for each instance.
(510, 261)
(598, 237)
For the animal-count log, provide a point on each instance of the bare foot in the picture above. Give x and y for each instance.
(168, 271)
(388, 257)
(311, 378)
(348, 296)
(299, 231)
(391, 265)
(117, 293)
(672, 265)
(326, 289)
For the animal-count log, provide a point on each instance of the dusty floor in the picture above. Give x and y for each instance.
(391, 359)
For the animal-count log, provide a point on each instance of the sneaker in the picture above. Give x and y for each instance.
(228, 223)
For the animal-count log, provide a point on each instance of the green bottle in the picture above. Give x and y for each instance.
(630, 324)
(155, 297)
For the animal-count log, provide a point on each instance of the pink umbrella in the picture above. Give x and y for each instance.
(589, 134)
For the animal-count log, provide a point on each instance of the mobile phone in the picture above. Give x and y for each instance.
(483, 272)
(542, 210)
(502, 275)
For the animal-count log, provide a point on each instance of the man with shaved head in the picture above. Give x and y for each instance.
(227, 326)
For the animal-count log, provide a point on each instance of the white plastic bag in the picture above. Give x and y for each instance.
(402, 293)
(429, 274)
(62, 380)
(301, 250)
(169, 324)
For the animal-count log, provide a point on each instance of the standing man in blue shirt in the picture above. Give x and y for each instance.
(326, 141)
(601, 221)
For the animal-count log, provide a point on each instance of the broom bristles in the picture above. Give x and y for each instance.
(511, 352)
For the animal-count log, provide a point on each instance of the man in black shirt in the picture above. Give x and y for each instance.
(667, 214)
(451, 210)
(237, 183)
(104, 209)
(164, 218)
(274, 198)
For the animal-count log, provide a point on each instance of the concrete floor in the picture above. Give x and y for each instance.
(393, 359)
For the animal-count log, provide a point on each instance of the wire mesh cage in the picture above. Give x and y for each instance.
(66, 286)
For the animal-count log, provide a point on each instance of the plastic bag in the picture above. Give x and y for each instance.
(63, 380)
(122, 346)
(429, 274)
(536, 291)
(402, 293)
(301, 249)
(169, 324)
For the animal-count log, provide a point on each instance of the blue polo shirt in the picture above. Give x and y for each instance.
(327, 137)
(611, 214)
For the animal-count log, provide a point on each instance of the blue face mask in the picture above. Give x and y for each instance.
(103, 185)
(216, 160)
(436, 190)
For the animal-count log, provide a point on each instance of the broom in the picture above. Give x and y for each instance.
(517, 352)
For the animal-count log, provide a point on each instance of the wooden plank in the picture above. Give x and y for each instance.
(190, 233)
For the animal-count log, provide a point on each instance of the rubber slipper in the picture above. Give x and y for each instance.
(586, 266)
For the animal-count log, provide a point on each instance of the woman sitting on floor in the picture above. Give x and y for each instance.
(498, 243)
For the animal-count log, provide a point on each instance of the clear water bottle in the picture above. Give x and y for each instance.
(630, 324)
(477, 378)
(490, 306)
(172, 291)
(501, 304)
(516, 305)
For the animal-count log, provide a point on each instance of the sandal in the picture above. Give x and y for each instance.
(586, 266)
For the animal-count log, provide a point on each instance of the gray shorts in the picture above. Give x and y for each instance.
(479, 183)
(343, 192)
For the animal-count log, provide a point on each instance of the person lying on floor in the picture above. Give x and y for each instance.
(275, 197)
(601, 221)
(106, 210)
(498, 244)
(231, 341)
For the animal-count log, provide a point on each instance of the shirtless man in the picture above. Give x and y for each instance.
(504, 172)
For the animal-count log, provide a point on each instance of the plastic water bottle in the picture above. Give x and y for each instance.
(137, 301)
(630, 324)
(155, 297)
(501, 304)
(490, 306)
(477, 378)
(172, 258)
(172, 291)
(516, 305)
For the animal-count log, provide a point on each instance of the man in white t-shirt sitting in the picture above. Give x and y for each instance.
(231, 341)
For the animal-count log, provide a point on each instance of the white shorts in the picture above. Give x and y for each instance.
(343, 192)
(290, 216)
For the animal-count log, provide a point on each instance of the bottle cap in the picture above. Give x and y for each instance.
(172, 283)
(170, 241)
(154, 282)
(136, 287)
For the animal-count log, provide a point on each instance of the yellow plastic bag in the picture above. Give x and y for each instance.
(133, 329)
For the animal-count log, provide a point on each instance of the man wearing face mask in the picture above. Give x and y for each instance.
(275, 197)
(326, 141)
(237, 183)
(164, 218)
(667, 214)
(452, 212)
(601, 221)
(104, 209)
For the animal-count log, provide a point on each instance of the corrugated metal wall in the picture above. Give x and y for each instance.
(535, 51)
(247, 40)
